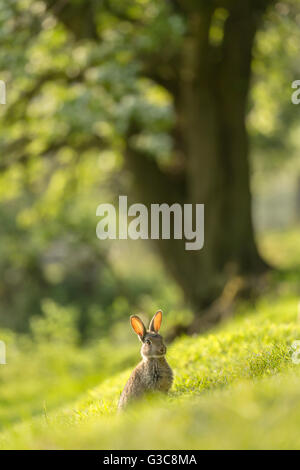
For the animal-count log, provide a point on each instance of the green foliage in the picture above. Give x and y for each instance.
(48, 367)
(281, 248)
(273, 120)
(61, 139)
(62, 135)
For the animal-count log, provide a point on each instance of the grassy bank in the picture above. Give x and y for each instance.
(235, 387)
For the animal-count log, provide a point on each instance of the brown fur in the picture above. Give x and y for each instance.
(152, 373)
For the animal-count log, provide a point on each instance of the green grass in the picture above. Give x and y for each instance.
(235, 387)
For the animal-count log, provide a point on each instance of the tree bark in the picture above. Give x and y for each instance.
(210, 86)
(211, 115)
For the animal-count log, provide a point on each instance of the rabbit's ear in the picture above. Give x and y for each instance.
(138, 326)
(156, 322)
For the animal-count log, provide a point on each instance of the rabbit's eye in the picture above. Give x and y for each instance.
(148, 341)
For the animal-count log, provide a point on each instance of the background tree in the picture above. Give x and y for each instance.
(207, 74)
(104, 93)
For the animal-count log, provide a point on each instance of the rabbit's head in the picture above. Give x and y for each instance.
(152, 343)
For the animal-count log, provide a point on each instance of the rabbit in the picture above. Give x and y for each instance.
(153, 373)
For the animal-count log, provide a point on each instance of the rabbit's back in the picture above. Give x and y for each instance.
(135, 386)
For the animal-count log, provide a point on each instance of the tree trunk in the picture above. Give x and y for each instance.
(211, 113)
(210, 85)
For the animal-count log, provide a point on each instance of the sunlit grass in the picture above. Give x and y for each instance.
(222, 381)
(234, 387)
